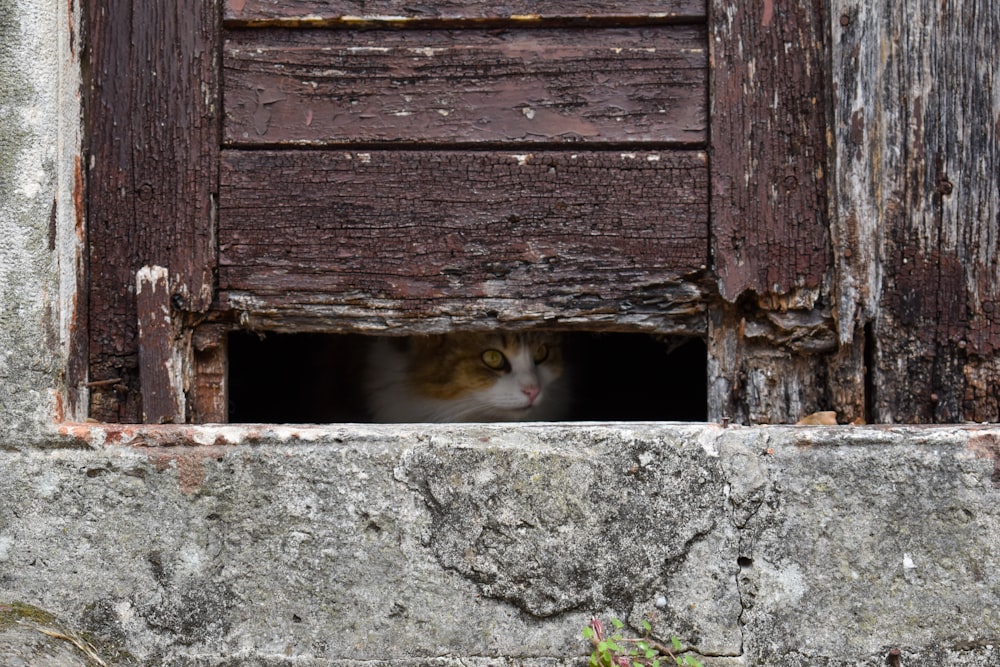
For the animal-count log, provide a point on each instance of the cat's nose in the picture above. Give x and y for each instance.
(531, 391)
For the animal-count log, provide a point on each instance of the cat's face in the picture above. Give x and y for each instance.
(488, 376)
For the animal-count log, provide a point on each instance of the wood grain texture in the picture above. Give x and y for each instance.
(159, 366)
(770, 367)
(414, 235)
(208, 391)
(151, 103)
(771, 343)
(467, 86)
(769, 146)
(918, 194)
(352, 12)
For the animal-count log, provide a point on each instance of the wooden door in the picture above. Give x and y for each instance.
(312, 166)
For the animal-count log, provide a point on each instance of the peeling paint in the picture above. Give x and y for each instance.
(428, 51)
(368, 49)
(768, 13)
(366, 19)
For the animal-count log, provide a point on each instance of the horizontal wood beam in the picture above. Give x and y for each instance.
(467, 87)
(551, 232)
(402, 12)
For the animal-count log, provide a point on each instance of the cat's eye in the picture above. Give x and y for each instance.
(495, 360)
(541, 353)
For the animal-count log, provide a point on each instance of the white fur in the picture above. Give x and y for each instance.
(392, 399)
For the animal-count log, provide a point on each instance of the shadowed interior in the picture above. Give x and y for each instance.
(316, 378)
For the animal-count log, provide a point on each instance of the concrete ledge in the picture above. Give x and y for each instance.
(494, 545)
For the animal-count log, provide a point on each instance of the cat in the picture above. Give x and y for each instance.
(466, 377)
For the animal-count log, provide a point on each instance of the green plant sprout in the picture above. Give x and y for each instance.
(618, 651)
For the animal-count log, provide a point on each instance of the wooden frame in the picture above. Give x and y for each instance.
(523, 162)
(152, 162)
(762, 230)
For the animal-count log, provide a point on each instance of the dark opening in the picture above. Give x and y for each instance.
(316, 378)
(869, 352)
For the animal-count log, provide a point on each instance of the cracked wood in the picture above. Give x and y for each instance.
(257, 12)
(769, 147)
(918, 192)
(467, 86)
(153, 143)
(430, 232)
(159, 365)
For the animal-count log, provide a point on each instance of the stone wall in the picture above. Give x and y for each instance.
(492, 545)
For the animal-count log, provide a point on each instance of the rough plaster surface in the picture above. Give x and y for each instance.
(39, 139)
(495, 545)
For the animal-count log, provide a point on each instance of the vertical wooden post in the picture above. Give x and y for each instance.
(917, 188)
(153, 132)
(208, 398)
(769, 147)
(160, 364)
(771, 338)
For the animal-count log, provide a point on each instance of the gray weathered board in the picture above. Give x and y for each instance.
(917, 196)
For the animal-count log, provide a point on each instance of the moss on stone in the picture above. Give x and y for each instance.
(88, 647)
(16, 612)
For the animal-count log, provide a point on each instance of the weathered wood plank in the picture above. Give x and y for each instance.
(159, 364)
(208, 394)
(918, 190)
(152, 158)
(673, 307)
(769, 147)
(771, 345)
(771, 367)
(352, 12)
(469, 87)
(416, 233)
